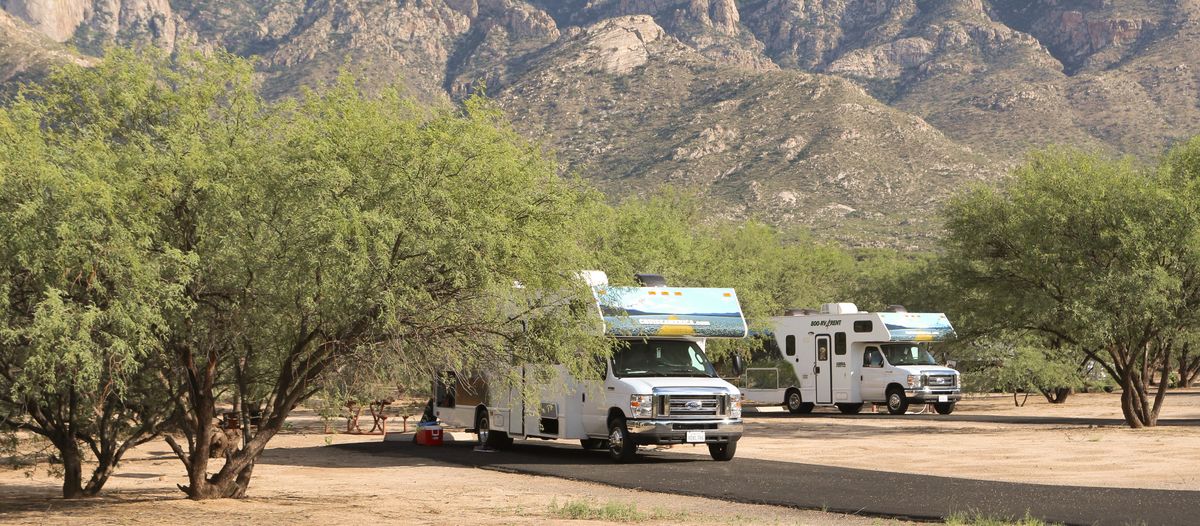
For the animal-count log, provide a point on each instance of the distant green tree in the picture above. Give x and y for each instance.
(671, 233)
(1095, 254)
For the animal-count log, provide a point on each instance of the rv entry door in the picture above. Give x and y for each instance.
(823, 371)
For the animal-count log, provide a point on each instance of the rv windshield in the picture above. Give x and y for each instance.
(908, 354)
(661, 358)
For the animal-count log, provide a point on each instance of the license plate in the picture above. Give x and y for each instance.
(695, 436)
(943, 398)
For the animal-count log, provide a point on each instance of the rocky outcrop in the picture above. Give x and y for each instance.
(94, 23)
(615, 46)
(27, 53)
(1093, 34)
(809, 34)
(886, 61)
(55, 19)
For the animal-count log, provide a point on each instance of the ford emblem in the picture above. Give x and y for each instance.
(694, 405)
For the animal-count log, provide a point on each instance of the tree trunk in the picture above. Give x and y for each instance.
(72, 471)
(1189, 368)
(1057, 395)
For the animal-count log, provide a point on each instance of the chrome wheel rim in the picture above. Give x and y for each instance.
(616, 440)
(894, 401)
(483, 430)
(794, 401)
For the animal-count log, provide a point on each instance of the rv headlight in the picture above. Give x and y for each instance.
(735, 406)
(914, 380)
(641, 406)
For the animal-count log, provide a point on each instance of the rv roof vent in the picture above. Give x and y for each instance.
(895, 308)
(651, 280)
(799, 312)
(594, 278)
(839, 308)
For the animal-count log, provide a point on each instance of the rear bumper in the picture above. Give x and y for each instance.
(651, 431)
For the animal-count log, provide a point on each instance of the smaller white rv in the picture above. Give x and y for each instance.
(845, 358)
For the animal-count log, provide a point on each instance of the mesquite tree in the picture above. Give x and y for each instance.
(340, 230)
(1093, 254)
(83, 293)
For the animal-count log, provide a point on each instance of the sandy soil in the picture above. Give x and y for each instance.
(1065, 446)
(300, 480)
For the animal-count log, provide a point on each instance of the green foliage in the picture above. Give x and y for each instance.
(976, 519)
(609, 511)
(1085, 253)
(84, 292)
(1024, 369)
(159, 206)
(669, 233)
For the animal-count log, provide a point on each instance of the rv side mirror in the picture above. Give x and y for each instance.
(738, 366)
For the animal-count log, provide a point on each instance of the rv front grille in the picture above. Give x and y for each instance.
(940, 380)
(692, 405)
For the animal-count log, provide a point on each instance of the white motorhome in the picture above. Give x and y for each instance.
(845, 358)
(658, 387)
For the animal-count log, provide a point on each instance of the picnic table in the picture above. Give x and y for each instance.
(378, 411)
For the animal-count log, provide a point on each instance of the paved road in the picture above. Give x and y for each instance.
(808, 486)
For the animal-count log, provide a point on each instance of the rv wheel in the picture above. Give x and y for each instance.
(850, 409)
(795, 404)
(723, 452)
(620, 445)
(896, 402)
(488, 437)
(944, 408)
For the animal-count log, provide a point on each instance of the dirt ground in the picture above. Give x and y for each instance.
(300, 480)
(1078, 443)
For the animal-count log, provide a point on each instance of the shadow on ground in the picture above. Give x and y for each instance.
(18, 498)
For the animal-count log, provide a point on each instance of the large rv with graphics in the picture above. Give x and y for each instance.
(845, 358)
(658, 387)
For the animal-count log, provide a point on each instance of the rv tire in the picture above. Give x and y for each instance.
(850, 409)
(488, 437)
(944, 408)
(897, 404)
(621, 447)
(795, 404)
(723, 452)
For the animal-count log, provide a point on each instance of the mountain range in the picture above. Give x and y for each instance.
(856, 118)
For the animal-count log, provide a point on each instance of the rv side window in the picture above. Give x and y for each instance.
(872, 358)
(790, 343)
(863, 326)
(839, 343)
(444, 389)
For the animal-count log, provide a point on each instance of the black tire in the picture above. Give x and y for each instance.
(897, 403)
(794, 403)
(488, 437)
(620, 445)
(850, 409)
(723, 452)
(593, 443)
(944, 408)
